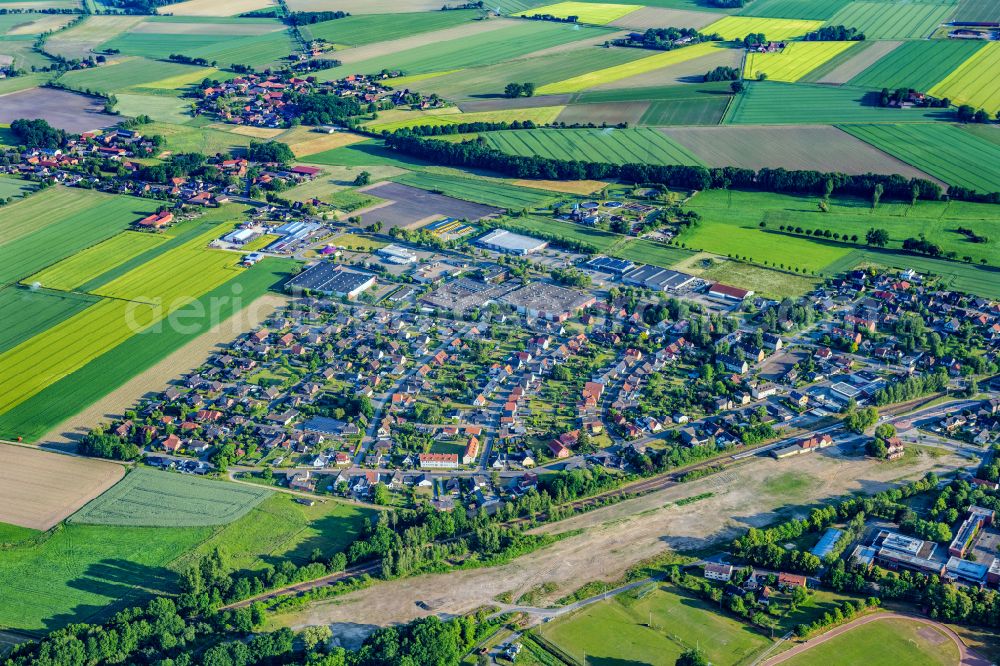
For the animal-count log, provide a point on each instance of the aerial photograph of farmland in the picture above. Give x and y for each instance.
(525, 332)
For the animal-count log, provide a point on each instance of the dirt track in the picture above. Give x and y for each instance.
(621, 535)
(156, 378)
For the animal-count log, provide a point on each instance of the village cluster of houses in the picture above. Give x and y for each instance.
(980, 425)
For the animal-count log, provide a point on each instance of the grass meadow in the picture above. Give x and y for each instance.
(151, 498)
(884, 642)
(479, 190)
(15, 187)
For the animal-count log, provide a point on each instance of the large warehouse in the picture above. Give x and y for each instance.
(501, 240)
(332, 280)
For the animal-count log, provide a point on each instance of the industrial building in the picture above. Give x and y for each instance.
(729, 293)
(893, 550)
(332, 280)
(241, 237)
(610, 265)
(501, 240)
(548, 301)
(657, 279)
(397, 254)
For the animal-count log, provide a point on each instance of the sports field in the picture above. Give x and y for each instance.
(80, 268)
(151, 498)
(586, 12)
(618, 631)
(629, 69)
(615, 146)
(101, 373)
(917, 64)
(814, 10)
(794, 62)
(478, 190)
(27, 312)
(976, 81)
(775, 103)
(71, 220)
(789, 147)
(944, 151)
(884, 642)
(738, 27)
(506, 43)
(887, 20)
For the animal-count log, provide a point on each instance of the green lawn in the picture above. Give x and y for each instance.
(887, 642)
(618, 632)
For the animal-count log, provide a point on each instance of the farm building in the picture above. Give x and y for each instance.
(157, 220)
(243, 236)
(501, 240)
(332, 280)
(729, 293)
(548, 301)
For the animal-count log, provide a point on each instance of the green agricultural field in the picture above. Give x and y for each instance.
(479, 190)
(105, 371)
(205, 140)
(71, 223)
(15, 187)
(151, 498)
(885, 642)
(27, 312)
(694, 111)
(254, 50)
(797, 60)
(944, 151)
(367, 153)
(129, 73)
(19, 83)
(617, 631)
(560, 66)
(978, 11)
(650, 252)
(15, 534)
(609, 74)
(77, 270)
(476, 50)
(164, 108)
(280, 527)
(975, 81)
(82, 573)
(539, 115)
(609, 145)
(886, 20)
(370, 28)
(773, 103)
(604, 241)
(813, 10)
(920, 65)
(738, 27)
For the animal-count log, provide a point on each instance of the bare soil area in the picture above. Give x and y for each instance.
(38, 489)
(658, 17)
(157, 378)
(616, 537)
(214, 7)
(66, 110)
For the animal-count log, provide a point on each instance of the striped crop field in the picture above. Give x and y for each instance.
(738, 27)
(888, 20)
(920, 65)
(976, 81)
(597, 13)
(540, 115)
(614, 146)
(84, 266)
(618, 72)
(794, 62)
(814, 10)
(944, 151)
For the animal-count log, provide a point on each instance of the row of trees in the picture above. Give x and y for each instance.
(479, 154)
(666, 39)
(912, 387)
(835, 33)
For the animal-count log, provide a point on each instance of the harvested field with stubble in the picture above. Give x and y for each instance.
(616, 537)
(214, 7)
(38, 489)
(566, 186)
(789, 147)
(66, 110)
(78, 41)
